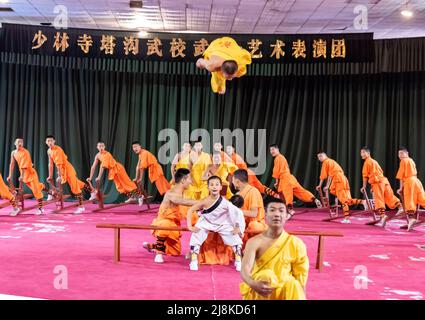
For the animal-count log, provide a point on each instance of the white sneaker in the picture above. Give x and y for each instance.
(238, 265)
(400, 211)
(49, 197)
(140, 201)
(15, 212)
(411, 224)
(383, 221)
(79, 210)
(346, 220)
(39, 212)
(130, 200)
(159, 258)
(93, 195)
(146, 246)
(193, 265)
(318, 203)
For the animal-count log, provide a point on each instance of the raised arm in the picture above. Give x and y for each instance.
(196, 207)
(182, 201)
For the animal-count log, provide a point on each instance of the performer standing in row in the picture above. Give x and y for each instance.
(147, 161)
(286, 184)
(65, 170)
(381, 188)
(411, 188)
(200, 161)
(116, 173)
(337, 184)
(182, 159)
(28, 174)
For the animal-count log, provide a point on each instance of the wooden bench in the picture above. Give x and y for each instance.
(117, 237)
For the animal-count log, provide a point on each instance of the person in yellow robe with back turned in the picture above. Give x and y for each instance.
(275, 264)
(225, 59)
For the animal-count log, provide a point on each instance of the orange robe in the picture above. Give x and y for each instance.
(252, 178)
(117, 173)
(339, 186)
(169, 217)
(253, 199)
(4, 190)
(28, 173)
(413, 191)
(288, 184)
(148, 161)
(66, 170)
(381, 188)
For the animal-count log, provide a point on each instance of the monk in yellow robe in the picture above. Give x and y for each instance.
(199, 163)
(116, 173)
(337, 184)
(168, 241)
(252, 178)
(182, 159)
(225, 59)
(411, 187)
(148, 161)
(223, 170)
(28, 174)
(275, 264)
(253, 206)
(66, 171)
(286, 184)
(381, 189)
(6, 194)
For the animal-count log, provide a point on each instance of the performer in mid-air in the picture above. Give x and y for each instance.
(225, 59)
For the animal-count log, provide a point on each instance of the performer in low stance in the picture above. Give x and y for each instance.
(148, 161)
(382, 192)
(169, 215)
(65, 171)
(116, 173)
(28, 174)
(337, 184)
(411, 187)
(287, 184)
(225, 59)
(218, 215)
(275, 264)
(6, 194)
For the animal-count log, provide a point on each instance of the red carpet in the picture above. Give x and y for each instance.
(32, 246)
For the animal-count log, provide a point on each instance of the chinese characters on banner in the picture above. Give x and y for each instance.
(277, 49)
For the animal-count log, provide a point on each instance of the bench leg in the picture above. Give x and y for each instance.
(319, 259)
(117, 244)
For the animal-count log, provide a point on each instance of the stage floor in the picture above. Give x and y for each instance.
(367, 263)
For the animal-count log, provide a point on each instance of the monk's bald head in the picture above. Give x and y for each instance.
(274, 149)
(101, 146)
(403, 153)
(137, 147)
(19, 142)
(50, 141)
(240, 178)
(182, 176)
(229, 69)
(364, 152)
(321, 155)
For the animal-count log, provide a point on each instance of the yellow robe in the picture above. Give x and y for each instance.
(228, 49)
(284, 266)
(199, 188)
(223, 171)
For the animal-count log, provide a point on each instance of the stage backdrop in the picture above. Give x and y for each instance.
(338, 107)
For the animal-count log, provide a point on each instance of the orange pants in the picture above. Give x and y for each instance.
(162, 185)
(68, 175)
(4, 190)
(413, 194)
(30, 178)
(253, 228)
(214, 251)
(383, 195)
(172, 238)
(290, 187)
(122, 181)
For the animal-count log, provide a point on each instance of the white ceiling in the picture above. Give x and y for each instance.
(227, 16)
